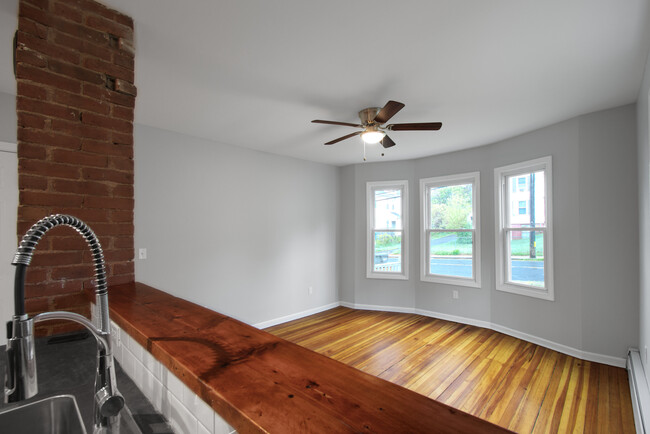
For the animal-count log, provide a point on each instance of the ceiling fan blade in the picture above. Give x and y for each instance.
(387, 142)
(343, 138)
(345, 124)
(422, 126)
(389, 110)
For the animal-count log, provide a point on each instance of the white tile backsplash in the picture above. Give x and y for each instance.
(199, 408)
(221, 426)
(152, 365)
(204, 430)
(138, 374)
(180, 418)
(174, 385)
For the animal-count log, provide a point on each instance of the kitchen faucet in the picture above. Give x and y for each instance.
(21, 380)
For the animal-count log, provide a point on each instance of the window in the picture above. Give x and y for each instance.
(387, 205)
(522, 207)
(524, 235)
(450, 230)
(521, 182)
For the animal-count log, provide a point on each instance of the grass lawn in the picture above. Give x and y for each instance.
(518, 247)
(522, 247)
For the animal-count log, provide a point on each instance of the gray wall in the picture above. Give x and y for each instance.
(609, 237)
(239, 231)
(643, 160)
(8, 118)
(595, 221)
(346, 258)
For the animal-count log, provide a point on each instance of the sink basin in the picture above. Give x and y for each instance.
(54, 415)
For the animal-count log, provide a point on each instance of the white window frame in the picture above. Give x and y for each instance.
(501, 232)
(425, 205)
(370, 247)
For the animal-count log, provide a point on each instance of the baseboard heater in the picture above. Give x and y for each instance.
(639, 391)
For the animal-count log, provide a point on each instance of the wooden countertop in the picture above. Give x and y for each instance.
(260, 383)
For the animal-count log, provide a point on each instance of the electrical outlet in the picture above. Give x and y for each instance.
(454, 294)
(311, 290)
(142, 254)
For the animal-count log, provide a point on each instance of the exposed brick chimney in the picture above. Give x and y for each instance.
(75, 101)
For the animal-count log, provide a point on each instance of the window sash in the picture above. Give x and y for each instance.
(430, 185)
(388, 271)
(372, 229)
(426, 184)
(504, 228)
(509, 196)
(374, 201)
(507, 251)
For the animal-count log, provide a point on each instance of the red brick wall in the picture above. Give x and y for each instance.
(75, 101)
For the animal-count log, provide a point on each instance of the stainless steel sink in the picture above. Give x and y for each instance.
(53, 415)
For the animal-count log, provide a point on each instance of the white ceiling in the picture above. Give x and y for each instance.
(254, 73)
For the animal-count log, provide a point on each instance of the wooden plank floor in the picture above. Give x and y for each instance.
(512, 383)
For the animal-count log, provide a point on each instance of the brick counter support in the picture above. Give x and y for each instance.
(75, 102)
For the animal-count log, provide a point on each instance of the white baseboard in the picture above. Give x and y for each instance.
(298, 315)
(561, 348)
(454, 318)
(639, 391)
(377, 307)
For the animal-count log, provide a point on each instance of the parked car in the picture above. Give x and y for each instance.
(380, 258)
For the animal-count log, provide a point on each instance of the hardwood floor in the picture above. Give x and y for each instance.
(513, 383)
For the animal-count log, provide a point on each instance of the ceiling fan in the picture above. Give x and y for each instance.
(372, 121)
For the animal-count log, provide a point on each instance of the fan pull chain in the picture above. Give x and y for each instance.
(364, 151)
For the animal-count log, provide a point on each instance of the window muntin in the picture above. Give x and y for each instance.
(387, 225)
(524, 237)
(450, 241)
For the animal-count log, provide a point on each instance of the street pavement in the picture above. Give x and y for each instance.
(522, 271)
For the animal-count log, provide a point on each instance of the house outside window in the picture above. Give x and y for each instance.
(524, 233)
(449, 230)
(387, 247)
(521, 183)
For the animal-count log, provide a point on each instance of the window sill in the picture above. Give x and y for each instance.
(448, 280)
(544, 294)
(389, 276)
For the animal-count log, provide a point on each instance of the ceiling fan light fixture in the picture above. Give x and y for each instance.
(373, 136)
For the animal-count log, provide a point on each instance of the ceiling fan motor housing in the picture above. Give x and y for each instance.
(367, 115)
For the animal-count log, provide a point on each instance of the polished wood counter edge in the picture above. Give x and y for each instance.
(260, 383)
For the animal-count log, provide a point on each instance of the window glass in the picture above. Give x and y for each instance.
(526, 258)
(388, 209)
(451, 254)
(530, 202)
(388, 251)
(521, 183)
(451, 207)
